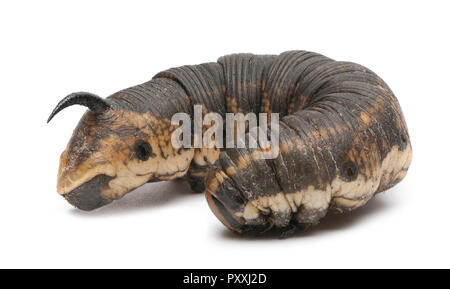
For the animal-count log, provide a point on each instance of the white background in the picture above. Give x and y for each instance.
(51, 48)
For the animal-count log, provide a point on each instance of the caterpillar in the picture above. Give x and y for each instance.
(342, 139)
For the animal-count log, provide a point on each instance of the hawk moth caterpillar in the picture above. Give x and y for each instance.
(343, 138)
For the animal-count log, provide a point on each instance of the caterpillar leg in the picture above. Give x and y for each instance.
(196, 178)
(243, 193)
(317, 168)
(197, 184)
(290, 230)
(245, 196)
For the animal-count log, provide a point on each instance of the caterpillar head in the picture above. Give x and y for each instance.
(113, 151)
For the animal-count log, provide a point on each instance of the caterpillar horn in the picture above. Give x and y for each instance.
(92, 101)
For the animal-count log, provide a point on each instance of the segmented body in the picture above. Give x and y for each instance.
(343, 137)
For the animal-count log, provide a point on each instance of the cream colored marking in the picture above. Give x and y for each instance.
(206, 156)
(69, 178)
(199, 158)
(286, 147)
(243, 162)
(291, 200)
(250, 212)
(395, 162)
(112, 158)
(230, 171)
(255, 155)
(344, 194)
(276, 203)
(365, 118)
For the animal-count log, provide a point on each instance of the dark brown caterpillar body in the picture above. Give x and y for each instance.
(343, 138)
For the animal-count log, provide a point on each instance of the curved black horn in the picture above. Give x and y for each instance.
(92, 101)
